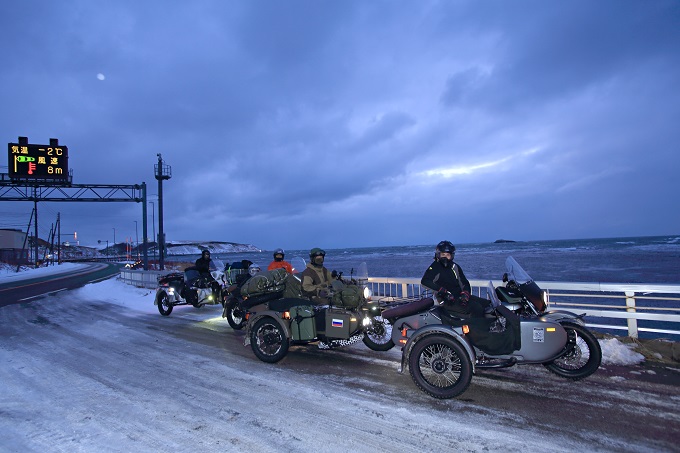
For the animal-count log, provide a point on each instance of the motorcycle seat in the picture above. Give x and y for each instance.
(408, 309)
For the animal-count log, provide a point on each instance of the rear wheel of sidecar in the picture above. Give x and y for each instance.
(163, 303)
(440, 366)
(268, 340)
(583, 355)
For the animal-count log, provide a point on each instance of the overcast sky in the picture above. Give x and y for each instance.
(299, 124)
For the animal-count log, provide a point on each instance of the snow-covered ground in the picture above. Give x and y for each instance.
(9, 274)
(98, 369)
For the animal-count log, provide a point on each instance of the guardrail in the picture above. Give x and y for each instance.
(142, 279)
(633, 308)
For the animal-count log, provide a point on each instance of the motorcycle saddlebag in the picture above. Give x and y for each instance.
(339, 323)
(350, 296)
(265, 282)
(293, 287)
(302, 322)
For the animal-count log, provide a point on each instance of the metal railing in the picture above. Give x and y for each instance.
(633, 308)
(141, 279)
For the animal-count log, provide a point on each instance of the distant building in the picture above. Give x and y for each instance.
(11, 247)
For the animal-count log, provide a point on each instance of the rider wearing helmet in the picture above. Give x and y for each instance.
(446, 278)
(253, 269)
(278, 262)
(203, 263)
(205, 278)
(316, 279)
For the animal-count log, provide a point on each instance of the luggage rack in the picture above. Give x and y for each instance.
(230, 275)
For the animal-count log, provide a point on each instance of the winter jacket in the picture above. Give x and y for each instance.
(315, 279)
(280, 264)
(452, 279)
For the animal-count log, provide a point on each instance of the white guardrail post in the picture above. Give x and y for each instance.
(632, 322)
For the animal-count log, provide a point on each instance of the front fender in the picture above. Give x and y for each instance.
(560, 316)
(254, 317)
(456, 334)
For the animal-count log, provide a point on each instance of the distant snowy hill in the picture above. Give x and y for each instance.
(195, 247)
(173, 248)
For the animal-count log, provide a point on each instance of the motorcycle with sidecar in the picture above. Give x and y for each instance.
(189, 287)
(275, 323)
(442, 351)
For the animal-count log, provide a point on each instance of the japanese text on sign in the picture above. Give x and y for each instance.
(37, 161)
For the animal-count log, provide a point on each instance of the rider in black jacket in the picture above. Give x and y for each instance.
(205, 278)
(447, 279)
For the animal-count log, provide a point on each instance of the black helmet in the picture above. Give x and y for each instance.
(279, 252)
(444, 247)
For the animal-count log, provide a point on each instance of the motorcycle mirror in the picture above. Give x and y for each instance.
(505, 277)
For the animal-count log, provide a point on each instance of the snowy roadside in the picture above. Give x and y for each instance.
(8, 273)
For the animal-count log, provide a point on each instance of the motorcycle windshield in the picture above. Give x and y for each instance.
(515, 271)
(298, 264)
(529, 288)
(361, 272)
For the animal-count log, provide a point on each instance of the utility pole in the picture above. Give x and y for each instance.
(162, 172)
(58, 238)
(35, 234)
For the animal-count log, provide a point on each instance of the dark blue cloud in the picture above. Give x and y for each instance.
(354, 123)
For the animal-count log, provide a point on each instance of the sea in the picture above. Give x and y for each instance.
(653, 259)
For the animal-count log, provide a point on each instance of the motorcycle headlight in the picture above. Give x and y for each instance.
(171, 290)
(368, 293)
(367, 321)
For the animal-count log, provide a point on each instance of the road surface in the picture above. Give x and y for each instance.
(31, 288)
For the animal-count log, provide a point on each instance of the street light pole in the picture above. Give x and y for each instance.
(114, 240)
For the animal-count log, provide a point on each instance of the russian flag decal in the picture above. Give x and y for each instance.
(337, 323)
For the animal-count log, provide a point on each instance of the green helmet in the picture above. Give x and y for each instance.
(316, 251)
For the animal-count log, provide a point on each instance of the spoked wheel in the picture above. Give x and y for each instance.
(268, 340)
(440, 366)
(235, 315)
(378, 337)
(583, 356)
(163, 303)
